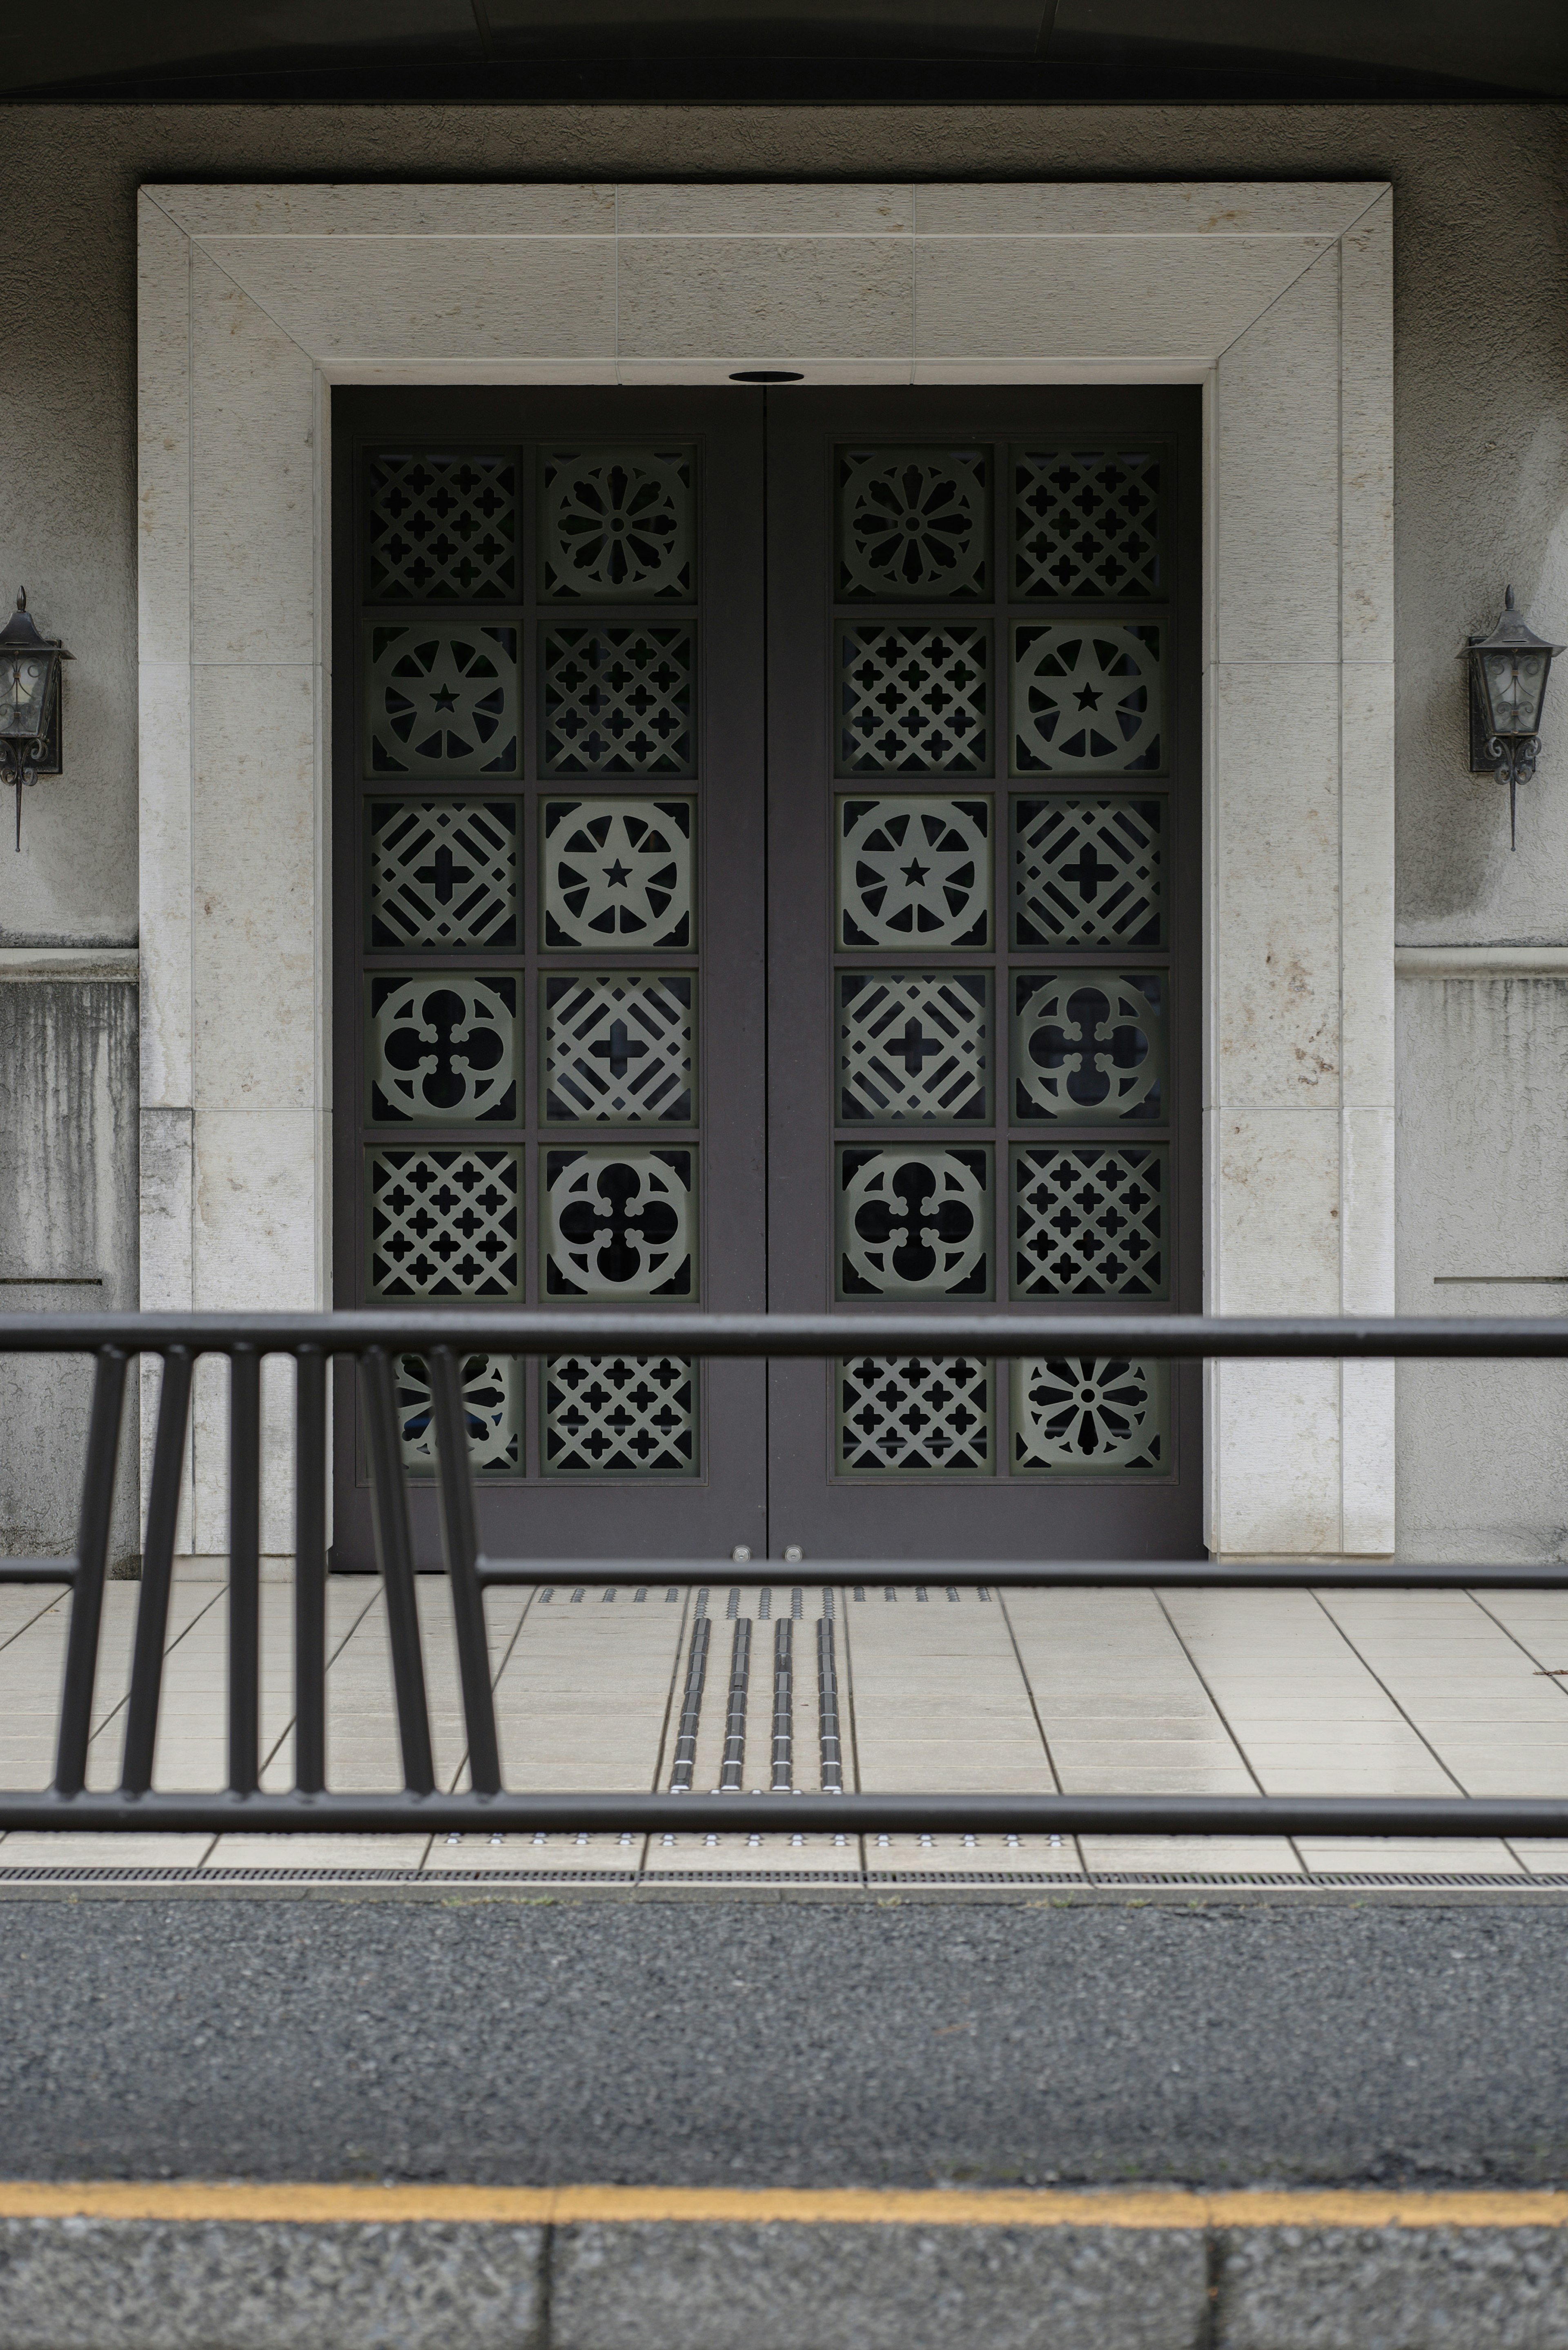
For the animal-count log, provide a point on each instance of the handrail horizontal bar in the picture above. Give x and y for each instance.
(37, 1570)
(1031, 1574)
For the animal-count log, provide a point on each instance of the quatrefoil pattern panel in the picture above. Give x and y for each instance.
(1087, 872)
(914, 1415)
(914, 524)
(914, 872)
(1087, 522)
(1089, 1046)
(618, 526)
(913, 700)
(491, 1391)
(913, 1045)
(1091, 1416)
(619, 1045)
(618, 701)
(1087, 698)
(443, 1048)
(1088, 1220)
(913, 1222)
(440, 529)
(442, 702)
(621, 1222)
(445, 1224)
(443, 874)
(620, 1416)
(620, 872)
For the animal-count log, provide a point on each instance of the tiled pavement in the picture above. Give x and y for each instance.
(963, 1688)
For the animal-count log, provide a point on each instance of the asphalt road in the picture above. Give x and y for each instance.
(744, 2043)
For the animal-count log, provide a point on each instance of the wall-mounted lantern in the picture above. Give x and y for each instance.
(1508, 669)
(29, 703)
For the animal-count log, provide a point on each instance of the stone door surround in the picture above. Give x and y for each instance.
(1276, 296)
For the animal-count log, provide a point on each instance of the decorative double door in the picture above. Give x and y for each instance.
(766, 834)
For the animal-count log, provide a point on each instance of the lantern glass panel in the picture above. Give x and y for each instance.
(25, 679)
(1515, 685)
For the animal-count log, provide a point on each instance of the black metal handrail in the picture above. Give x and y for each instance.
(373, 1340)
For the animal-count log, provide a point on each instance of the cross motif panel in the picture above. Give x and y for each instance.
(442, 702)
(445, 1224)
(619, 1045)
(620, 1416)
(1088, 1220)
(1087, 698)
(617, 525)
(1089, 1046)
(914, 1223)
(914, 524)
(1087, 1415)
(443, 873)
(620, 870)
(913, 1045)
(914, 1414)
(621, 1222)
(1087, 872)
(491, 1390)
(914, 872)
(440, 529)
(443, 1048)
(618, 701)
(1087, 522)
(913, 700)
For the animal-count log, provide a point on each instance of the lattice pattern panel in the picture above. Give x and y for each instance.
(1088, 1220)
(491, 1387)
(1087, 700)
(620, 1416)
(1087, 1415)
(620, 870)
(440, 529)
(445, 1224)
(914, 872)
(618, 526)
(618, 701)
(914, 1415)
(914, 698)
(621, 1222)
(914, 1223)
(441, 704)
(443, 874)
(619, 1045)
(443, 1048)
(1087, 522)
(1089, 1046)
(914, 524)
(913, 1046)
(1088, 872)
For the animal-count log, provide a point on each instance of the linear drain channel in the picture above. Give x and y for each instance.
(1061, 1879)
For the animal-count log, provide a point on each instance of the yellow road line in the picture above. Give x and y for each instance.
(1151, 2207)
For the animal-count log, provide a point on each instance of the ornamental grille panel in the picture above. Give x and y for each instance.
(620, 1416)
(620, 870)
(618, 701)
(914, 872)
(914, 1223)
(443, 703)
(1087, 698)
(444, 874)
(443, 1048)
(1089, 1046)
(914, 1415)
(1087, 872)
(1089, 1220)
(1087, 522)
(621, 1222)
(445, 1224)
(491, 1390)
(1087, 1415)
(440, 529)
(619, 1047)
(914, 700)
(914, 523)
(913, 1046)
(617, 525)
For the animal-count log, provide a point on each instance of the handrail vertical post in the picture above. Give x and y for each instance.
(395, 1556)
(459, 1545)
(91, 1566)
(157, 1572)
(244, 1570)
(310, 1572)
